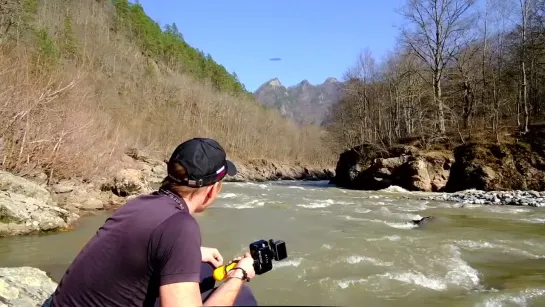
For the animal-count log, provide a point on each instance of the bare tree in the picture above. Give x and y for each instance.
(440, 27)
(525, 11)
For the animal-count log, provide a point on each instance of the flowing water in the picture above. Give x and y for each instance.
(354, 248)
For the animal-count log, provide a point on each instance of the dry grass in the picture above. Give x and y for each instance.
(80, 116)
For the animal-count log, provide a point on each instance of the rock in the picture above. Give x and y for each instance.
(20, 214)
(423, 220)
(263, 170)
(19, 185)
(24, 287)
(62, 188)
(128, 182)
(498, 167)
(509, 198)
(26, 207)
(359, 168)
(92, 204)
(420, 179)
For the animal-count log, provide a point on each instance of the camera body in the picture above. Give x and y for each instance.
(264, 252)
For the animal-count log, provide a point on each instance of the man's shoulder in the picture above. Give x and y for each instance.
(145, 213)
(180, 221)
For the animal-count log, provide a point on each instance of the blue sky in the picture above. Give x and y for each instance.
(315, 39)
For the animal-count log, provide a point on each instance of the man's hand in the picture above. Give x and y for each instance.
(247, 264)
(211, 255)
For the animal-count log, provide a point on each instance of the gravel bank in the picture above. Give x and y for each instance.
(511, 198)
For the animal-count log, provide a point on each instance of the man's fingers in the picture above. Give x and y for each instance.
(219, 258)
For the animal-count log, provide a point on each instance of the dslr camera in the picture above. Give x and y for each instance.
(264, 252)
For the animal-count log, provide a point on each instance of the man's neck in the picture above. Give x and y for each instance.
(184, 203)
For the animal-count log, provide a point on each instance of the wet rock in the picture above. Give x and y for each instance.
(20, 214)
(369, 168)
(24, 287)
(26, 207)
(92, 204)
(423, 220)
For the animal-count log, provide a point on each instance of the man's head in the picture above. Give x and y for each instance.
(195, 171)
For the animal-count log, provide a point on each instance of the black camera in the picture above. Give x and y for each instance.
(264, 252)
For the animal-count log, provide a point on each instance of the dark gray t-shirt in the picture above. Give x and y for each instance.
(149, 242)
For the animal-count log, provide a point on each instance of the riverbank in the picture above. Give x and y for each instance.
(500, 198)
(33, 204)
(516, 162)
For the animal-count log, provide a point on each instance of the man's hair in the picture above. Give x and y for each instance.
(178, 171)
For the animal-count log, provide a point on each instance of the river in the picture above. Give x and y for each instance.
(353, 248)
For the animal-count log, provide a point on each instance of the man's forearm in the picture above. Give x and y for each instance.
(225, 294)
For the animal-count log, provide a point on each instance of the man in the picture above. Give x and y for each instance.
(150, 249)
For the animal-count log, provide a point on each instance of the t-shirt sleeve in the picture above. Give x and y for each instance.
(175, 250)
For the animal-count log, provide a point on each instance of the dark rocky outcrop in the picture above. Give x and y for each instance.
(518, 165)
(368, 167)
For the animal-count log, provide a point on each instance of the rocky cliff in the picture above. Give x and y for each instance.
(304, 102)
(368, 167)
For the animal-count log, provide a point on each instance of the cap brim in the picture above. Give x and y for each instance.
(231, 168)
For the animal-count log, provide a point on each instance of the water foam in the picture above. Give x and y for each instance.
(351, 218)
(521, 298)
(318, 204)
(395, 189)
(478, 245)
(359, 259)
(228, 195)
(402, 216)
(419, 279)
(362, 210)
(256, 203)
(288, 263)
(390, 238)
(397, 225)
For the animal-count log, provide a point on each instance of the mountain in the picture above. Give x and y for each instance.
(304, 102)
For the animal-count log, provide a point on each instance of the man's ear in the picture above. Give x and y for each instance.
(214, 190)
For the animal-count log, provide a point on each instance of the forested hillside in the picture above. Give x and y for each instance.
(463, 70)
(80, 81)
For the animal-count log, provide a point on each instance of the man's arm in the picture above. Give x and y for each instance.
(180, 294)
(188, 293)
(175, 254)
(227, 292)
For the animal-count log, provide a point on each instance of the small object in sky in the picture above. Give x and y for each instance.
(275, 59)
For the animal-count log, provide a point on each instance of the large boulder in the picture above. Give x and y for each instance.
(19, 185)
(498, 167)
(24, 287)
(368, 168)
(26, 207)
(128, 182)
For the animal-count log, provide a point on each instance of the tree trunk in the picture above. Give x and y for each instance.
(439, 100)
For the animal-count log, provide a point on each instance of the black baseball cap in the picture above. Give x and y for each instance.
(204, 160)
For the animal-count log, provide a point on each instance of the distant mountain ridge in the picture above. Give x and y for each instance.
(304, 102)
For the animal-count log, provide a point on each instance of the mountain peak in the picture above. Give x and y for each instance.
(274, 82)
(331, 80)
(303, 102)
